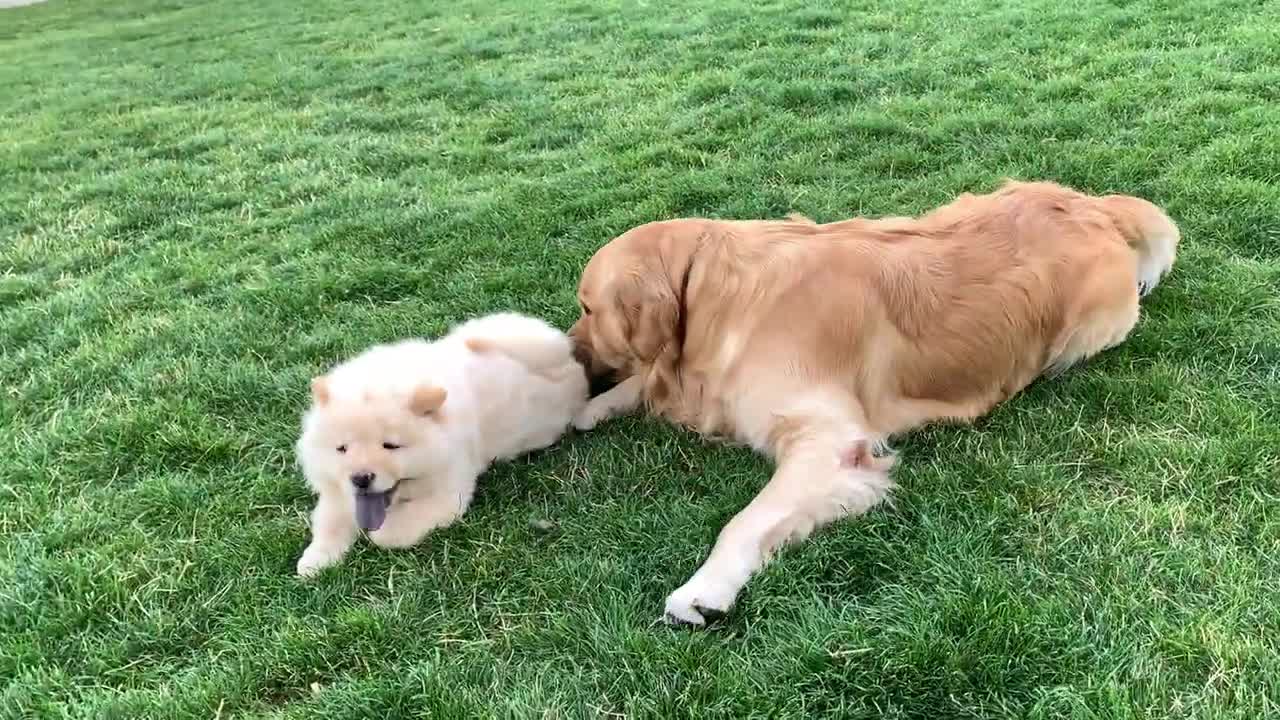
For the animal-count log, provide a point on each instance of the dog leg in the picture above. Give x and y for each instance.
(619, 400)
(812, 486)
(333, 531)
(409, 522)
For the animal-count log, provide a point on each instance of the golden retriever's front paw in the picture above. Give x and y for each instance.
(698, 602)
(316, 558)
(589, 417)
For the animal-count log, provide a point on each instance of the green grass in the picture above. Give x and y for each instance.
(204, 204)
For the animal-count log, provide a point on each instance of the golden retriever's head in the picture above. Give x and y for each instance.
(632, 296)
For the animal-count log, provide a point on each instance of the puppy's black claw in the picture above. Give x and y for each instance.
(670, 619)
(710, 614)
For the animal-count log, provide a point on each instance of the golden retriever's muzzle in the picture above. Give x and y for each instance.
(599, 376)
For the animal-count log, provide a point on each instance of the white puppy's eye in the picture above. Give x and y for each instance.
(342, 449)
(391, 446)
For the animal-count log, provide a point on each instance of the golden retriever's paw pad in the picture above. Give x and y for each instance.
(316, 559)
(587, 419)
(697, 604)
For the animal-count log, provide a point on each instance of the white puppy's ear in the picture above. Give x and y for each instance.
(426, 399)
(320, 390)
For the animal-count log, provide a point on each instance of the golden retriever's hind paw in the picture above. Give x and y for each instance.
(710, 614)
(695, 616)
(867, 455)
(694, 604)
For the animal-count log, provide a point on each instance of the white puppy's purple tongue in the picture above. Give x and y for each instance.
(371, 509)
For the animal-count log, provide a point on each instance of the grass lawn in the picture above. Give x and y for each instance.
(204, 204)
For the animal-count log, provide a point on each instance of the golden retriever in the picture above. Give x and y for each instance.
(813, 342)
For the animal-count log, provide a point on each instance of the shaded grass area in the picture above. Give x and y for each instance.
(202, 205)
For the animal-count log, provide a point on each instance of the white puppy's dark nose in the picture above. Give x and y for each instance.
(362, 480)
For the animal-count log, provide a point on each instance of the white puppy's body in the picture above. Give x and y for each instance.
(397, 436)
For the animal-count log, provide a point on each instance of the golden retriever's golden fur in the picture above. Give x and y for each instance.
(808, 340)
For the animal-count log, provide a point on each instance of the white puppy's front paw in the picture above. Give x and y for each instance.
(410, 523)
(699, 602)
(316, 558)
(395, 536)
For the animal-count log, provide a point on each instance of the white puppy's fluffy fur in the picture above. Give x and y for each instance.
(396, 437)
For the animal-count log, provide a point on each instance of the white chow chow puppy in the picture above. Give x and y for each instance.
(396, 437)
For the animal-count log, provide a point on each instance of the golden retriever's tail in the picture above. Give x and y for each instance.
(1151, 234)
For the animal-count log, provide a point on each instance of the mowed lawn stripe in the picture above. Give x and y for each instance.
(204, 204)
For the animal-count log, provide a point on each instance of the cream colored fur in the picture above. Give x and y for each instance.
(494, 388)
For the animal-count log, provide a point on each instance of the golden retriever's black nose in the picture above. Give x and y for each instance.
(362, 480)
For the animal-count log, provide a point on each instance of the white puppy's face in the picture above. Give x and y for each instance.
(373, 442)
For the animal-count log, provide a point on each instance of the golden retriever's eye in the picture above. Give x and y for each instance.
(585, 310)
(342, 449)
(391, 446)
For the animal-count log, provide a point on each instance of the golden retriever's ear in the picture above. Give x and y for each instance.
(320, 390)
(654, 313)
(426, 399)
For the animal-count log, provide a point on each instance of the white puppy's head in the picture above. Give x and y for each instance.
(371, 437)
